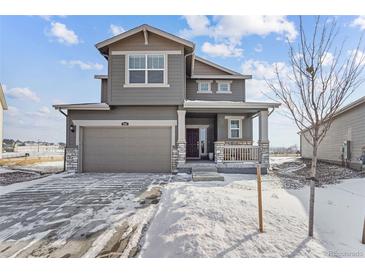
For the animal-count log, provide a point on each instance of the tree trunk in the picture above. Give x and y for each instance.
(311, 209)
(312, 189)
(314, 159)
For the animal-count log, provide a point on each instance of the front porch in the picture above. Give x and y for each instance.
(223, 139)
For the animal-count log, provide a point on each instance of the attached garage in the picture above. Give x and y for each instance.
(130, 149)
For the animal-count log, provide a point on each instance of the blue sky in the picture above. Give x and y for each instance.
(52, 59)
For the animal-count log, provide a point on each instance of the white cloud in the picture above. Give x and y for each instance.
(221, 50)
(63, 34)
(44, 110)
(58, 102)
(82, 65)
(22, 94)
(12, 111)
(46, 17)
(359, 56)
(115, 30)
(258, 48)
(198, 26)
(359, 22)
(234, 28)
(327, 59)
(261, 72)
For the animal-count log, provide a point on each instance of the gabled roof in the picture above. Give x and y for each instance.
(345, 109)
(231, 74)
(2, 99)
(144, 27)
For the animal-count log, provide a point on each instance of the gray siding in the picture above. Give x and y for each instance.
(120, 113)
(211, 132)
(104, 91)
(172, 95)
(347, 126)
(237, 88)
(126, 149)
(136, 43)
(204, 69)
(222, 124)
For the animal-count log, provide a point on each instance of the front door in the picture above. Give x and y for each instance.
(192, 143)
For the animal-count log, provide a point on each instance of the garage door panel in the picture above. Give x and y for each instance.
(126, 149)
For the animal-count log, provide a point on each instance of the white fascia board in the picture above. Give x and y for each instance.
(131, 123)
(98, 76)
(223, 77)
(229, 104)
(101, 106)
(143, 28)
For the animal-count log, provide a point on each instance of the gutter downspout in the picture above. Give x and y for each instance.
(191, 69)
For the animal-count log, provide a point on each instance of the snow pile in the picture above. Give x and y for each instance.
(274, 160)
(5, 170)
(220, 220)
(339, 216)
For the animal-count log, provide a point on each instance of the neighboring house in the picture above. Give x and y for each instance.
(162, 106)
(344, 142)
(3, 106)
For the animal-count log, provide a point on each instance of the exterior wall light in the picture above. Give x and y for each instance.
(72, 128)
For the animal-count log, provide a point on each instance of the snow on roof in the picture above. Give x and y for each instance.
(87, 106)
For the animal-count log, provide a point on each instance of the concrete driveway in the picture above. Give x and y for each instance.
(62, 216)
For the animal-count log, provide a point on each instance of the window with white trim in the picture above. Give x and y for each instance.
(204, 86)
(224, 87)
(234, 129)
(146, 69)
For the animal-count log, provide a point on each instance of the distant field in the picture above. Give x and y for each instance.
(26, 161)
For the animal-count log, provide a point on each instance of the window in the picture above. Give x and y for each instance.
(146, 69)
(204, 87)
(234, 131)
(224, 87)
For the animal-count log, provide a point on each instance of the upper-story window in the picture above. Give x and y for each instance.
(224, 87)
(204, 86)
(146, 70)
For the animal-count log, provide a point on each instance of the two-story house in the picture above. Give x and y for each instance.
(162, 107)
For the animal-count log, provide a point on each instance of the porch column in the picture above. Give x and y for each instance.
(181, 140)
(264, 138)
(181, 126)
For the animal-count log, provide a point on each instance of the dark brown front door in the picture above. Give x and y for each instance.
(192, 143)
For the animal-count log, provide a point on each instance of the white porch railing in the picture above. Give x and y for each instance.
(240, 153)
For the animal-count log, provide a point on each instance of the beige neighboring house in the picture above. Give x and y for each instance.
(3, 106)
(344, 142)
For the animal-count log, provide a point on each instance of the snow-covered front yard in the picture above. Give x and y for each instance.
(220, 220)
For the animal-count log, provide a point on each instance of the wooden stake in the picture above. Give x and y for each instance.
(259, 192)
(363, 233)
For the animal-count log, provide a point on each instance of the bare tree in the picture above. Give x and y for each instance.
(321, 77)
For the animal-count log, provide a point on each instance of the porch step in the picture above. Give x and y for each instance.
(206, 173)
(204, 168)
(207, 176)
